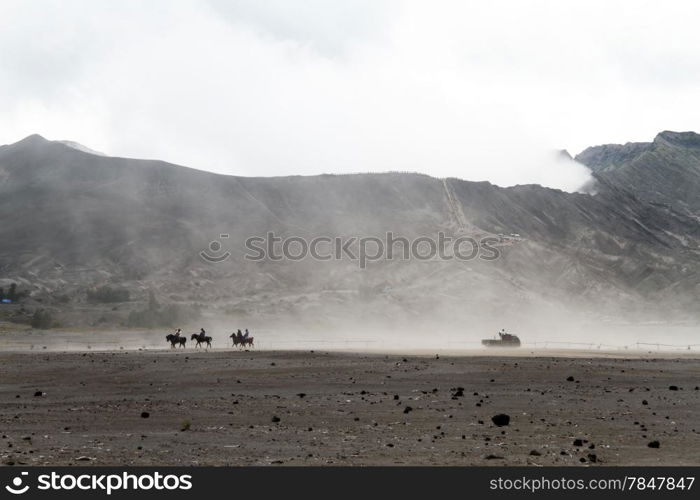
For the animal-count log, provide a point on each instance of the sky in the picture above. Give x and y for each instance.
(474, 90)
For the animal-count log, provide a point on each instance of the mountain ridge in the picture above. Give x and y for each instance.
(665, 171)
(71, 220)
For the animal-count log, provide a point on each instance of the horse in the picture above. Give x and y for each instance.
(201, 340)
(241, 341)
(176, 339)
(235, 339)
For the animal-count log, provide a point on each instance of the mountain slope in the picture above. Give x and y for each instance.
(70, 220)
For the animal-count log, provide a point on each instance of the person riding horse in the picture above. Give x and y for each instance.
(176, 339)
(242, 339)
(201, 338)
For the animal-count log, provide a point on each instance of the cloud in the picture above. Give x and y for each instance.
(480, 91)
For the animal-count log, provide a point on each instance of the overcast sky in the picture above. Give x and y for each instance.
(477, 90)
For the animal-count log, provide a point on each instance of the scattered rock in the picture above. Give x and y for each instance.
(654, 444)
(535, 453)
(145, 414)
(275, 419)
(500, 420)
(569, 379)
(493, 457)
(672, 387)
(301, 395)
(38, 394)
(578, 442)
(408, 409)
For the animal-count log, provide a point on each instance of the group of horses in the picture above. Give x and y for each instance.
(177, 340)
(242, 341)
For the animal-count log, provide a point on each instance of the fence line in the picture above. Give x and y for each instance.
(542, 344)
(596, 345)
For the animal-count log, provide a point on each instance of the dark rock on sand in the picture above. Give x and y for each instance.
(501, 419)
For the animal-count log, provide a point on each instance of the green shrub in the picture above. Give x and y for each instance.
(42, 319)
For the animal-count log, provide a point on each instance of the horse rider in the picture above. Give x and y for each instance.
(245, 335)
(178, 332)
(202, 333)
(239, 335)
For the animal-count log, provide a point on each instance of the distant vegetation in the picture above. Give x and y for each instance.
(13, 295)
(107, 295)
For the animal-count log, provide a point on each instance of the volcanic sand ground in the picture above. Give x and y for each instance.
(218, 408)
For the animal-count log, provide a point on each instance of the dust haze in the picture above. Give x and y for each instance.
(118, 244)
